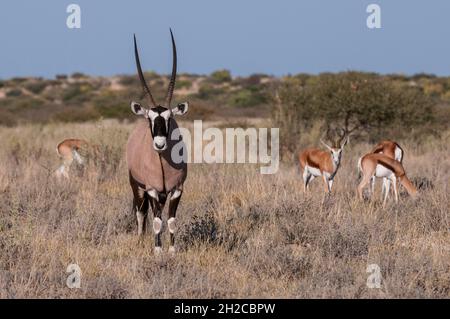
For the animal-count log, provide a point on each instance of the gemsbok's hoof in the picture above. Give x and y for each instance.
(172, 250)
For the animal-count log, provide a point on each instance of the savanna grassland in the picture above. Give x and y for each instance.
(240, 234)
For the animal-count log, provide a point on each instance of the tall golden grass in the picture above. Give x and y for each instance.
(240, 234)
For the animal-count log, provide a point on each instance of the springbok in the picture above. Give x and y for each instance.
(154, 173)
(68, 152)
(380, 165)
(315, 162)
(392, 150)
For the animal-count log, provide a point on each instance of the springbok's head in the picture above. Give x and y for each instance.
(159, 116)
(338, 145)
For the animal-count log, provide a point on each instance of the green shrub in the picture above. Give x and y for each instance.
(246, 98)
(61, 77)
(110, 104)
(221, 76)
(14, 93)
(209, 91)
(36, 87)
(360, 103)
(183, 84)
(77, 92)
(78, 75)
(76, 115)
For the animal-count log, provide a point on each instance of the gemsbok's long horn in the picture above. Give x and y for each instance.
(141, 75)
(174, 73)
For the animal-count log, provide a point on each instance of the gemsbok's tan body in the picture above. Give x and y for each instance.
(380, 165)
(156, 169)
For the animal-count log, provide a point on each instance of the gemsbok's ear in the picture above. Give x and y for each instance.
(180, 109)
(137, 109)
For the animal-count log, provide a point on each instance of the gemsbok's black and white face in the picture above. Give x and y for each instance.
(159, 118)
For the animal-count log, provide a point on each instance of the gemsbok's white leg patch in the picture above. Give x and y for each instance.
(171, 225)
(152, 193)
(157, 225)
(175, 194)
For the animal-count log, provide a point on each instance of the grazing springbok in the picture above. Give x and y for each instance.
(315, 162)
(392, 150)
(155, 174)
(380, 165)
(68, 151)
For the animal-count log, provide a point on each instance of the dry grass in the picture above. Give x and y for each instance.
(240, 234)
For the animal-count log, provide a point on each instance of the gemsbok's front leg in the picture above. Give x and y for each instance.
(173, 205)
(140, 207)
(157, 221)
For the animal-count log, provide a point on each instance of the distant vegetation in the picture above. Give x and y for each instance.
(78, 97)
(363, 104)
(366, 104)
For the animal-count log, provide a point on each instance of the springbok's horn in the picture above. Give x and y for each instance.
(141, 75)
(174, 72)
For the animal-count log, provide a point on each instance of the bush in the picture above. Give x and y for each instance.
(360, 103)
(183, 84)
(76, 115)
(61, 77)
(14, 93)
(246, 98)
(36, 87)
(78, 75)
(208, 91)
(77, 92)
(221, 76)
(111, 104)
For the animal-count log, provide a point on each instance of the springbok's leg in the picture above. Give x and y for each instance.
(373, 180)
(386, 187)
(383, 187)
(327, 186)
(306, 179)
(364, 181)
(173, 205)
(394, 182)
(330, 184)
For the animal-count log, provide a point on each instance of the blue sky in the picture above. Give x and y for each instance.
(251, 36)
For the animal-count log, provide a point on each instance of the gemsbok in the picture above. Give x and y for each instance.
(392, 150)
(380, 165)
(68, 151)
(315, 162)
(154, 174)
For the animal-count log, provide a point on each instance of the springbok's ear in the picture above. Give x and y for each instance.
(180, 109)
(326, 145)
(137, 109)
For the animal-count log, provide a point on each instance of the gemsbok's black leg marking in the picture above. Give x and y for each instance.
(171, 222)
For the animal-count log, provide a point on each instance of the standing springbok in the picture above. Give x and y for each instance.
(154, 174)
(392, 150)
(380, 165)
(315, 162)
(68, 152)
